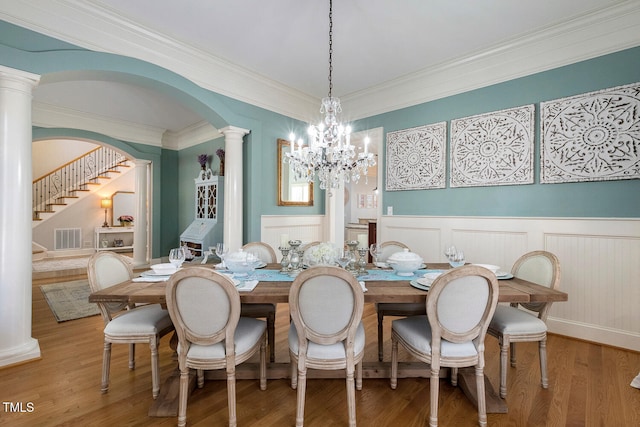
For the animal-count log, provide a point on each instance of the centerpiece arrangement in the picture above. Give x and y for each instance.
(325, 253)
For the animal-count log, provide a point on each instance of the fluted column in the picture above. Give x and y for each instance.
(141, 254)
(233, 207)
(16, 343)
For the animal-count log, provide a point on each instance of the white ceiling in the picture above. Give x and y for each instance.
(274, 53)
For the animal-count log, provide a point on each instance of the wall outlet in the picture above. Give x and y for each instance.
(389, 210)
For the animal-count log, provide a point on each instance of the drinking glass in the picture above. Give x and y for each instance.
(449, 251)
(374, 250)
(344, 258)
(221, 250)
(176, 257)
(456, 259)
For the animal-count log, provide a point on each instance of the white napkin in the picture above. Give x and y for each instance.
(364, 288)
(245, 285)
(150, 279)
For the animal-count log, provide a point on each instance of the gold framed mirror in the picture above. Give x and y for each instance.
(291, 192)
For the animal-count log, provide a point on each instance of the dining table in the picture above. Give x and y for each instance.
(382, 286)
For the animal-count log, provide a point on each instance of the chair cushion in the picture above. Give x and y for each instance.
(416, 331)
(248, 333)
(329, 352)
(144, 320)
(510, 320)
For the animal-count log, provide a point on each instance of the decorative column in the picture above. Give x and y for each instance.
(141, 221)
(16, 343)
(334, 215)
(233, 182)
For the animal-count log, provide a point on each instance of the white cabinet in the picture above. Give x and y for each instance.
(206, 229)
(114, 238)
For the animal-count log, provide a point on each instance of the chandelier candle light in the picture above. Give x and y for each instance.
(329, 153)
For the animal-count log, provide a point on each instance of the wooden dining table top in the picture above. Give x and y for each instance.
(378, 291)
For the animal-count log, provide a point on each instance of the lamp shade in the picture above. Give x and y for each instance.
(105, 203)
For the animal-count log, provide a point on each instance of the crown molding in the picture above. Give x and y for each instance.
(47, 116)
(190, 136)
(92, 26)
(589, 36)
(89, 25)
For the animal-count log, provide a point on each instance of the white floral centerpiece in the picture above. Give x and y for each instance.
(325, 253)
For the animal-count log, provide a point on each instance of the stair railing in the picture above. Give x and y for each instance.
(72, 177)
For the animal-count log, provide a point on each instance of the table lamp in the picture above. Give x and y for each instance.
(106, 204)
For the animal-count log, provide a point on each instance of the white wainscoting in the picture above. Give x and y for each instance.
(599, 259)
(307, 228)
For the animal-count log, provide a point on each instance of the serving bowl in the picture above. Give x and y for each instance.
(405, 263)
(241, 263)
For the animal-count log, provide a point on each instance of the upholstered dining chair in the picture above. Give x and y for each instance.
(459, 306)
(123, 324)
(510, 324)
(390, 308)
(205, 308)
(263, 311)
(326, 305)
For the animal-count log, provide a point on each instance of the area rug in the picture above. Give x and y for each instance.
(55, 264)
(69, 300)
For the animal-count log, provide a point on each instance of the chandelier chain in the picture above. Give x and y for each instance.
(329, 155)
(330, 47)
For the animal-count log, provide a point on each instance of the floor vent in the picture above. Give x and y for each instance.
(67, 238)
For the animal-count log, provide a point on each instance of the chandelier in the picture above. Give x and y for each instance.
(329, 154)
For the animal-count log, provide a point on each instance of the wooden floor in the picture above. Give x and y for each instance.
(589, 385)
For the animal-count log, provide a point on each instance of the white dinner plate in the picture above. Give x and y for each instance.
(417, 285)
(382, 265)
(151, 273)
(503, 275)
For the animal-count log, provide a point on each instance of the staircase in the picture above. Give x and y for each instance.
(75, 179)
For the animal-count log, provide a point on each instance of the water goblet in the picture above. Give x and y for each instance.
(176, 257)
(344, 258)
(374, 250)
(457, 259)
(449, 251)
(221, 250)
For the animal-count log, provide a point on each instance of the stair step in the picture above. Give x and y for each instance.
(56, 204)
(49, 211)
(113, 171)
(67, 197)
(100, 177)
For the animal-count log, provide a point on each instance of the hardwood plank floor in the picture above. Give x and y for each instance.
(589, 385)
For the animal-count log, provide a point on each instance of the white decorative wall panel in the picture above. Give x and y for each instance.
(493, 148)
(307, 228)
(598, 260)
(416, 158)
(591, 137)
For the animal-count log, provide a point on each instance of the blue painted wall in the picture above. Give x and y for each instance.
(589, 199)
(174, 171)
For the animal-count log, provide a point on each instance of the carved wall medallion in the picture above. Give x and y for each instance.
(416, 158)
(493, 148)
(591, 137)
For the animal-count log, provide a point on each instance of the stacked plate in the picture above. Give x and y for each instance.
(425, 281)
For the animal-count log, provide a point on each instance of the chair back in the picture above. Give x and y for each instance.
(389, 248)
(542, 268)
(460, 305)
(204, 306)
(262, 250)
(107, 269)
(326, 305)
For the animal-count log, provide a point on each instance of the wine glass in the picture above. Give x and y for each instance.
(449, 251)
(456, 259)
(344, 258)
(221, 250)
(374, 250)
(176, 257)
